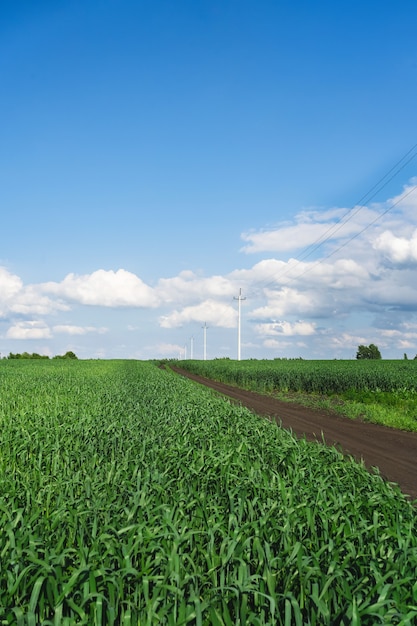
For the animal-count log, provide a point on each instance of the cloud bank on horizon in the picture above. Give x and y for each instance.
(158, 159)
(363, 262)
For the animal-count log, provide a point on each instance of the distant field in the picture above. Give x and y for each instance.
(381, 391)
(129, 495)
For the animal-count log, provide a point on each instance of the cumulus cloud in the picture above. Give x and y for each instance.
(405, 203)
(37, 329)
(106, 288)
(165, 350)
(68, 329)
(29, 330)
(312, 228)
(210, 311)
(188, 287)
(410, 327)
(404, 333)
(279, 346)
(275, 344)
(15, 298)
(394, 291)
(398, 250)
(10, 284)
(358, 270)
(287, 302)
(405, 344)
(286, 328)
(347, 340)
(124, 289)
(31, 301)
(341, 273)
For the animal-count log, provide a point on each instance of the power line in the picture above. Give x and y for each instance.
(412, 190)
(367, 197)
(344, 244)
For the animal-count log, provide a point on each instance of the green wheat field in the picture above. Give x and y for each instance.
(132, 496)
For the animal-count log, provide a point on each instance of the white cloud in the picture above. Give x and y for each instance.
(340, 274)
(188, 287)
(360, 270)
(263, 272)
(30, 301)
(69, 329)
(405, 343)
(283, 239)
(286, 301)
(165, 350)
(285, 328)
(15, 298)
(402, 334)
(105, 288)
(389, 332)
(29, 330)
(398, 250)
(210, 311)
(410, 327)
(10, 284)
(405, 203)
(279, 346)
(393, 291)
(347, 341)
(124, 289)
(312, 228)
(274, 344)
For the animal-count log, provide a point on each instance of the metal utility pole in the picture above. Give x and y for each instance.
(205, 340)
(185, 352)
(239, 299)
(191, 348)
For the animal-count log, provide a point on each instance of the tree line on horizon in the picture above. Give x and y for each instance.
(35, 355)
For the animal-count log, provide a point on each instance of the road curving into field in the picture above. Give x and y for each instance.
(393, 452)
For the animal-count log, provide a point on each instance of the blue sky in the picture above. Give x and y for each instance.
(158, 157)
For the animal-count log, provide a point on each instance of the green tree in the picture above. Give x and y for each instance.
(70, 355)
(67, 355)
(26, 355)
(368, 352)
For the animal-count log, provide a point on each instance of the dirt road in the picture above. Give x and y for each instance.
(394, 452)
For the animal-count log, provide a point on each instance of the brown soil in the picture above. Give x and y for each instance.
(393, 452)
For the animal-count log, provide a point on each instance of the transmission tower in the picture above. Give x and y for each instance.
(239, 299)
(205, 340)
